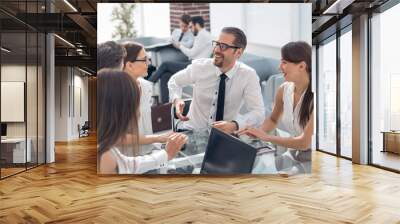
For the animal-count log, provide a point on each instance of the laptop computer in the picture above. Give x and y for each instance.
(226, 154)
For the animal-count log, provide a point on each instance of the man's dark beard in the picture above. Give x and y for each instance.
(195, 32)
(220, 63)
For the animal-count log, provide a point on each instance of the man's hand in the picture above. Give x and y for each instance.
(177, 45)
(179, 106)
(225, 126)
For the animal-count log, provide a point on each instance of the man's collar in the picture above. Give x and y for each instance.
(229, 73)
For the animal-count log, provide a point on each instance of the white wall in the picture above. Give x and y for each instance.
(16, 73)
(61, 103)
(226, 14)
(12, 100)
(152, 19)
(33, 126)
(68, 81)
(80, 83)
(268, 26)
(13, 73)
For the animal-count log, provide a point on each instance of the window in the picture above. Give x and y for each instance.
(327, 97)
(385, 85)
(346, 94)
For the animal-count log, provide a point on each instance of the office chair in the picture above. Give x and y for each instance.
(84, 130)
(175, 120)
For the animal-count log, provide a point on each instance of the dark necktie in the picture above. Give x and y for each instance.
(221, 98)
(180, 38)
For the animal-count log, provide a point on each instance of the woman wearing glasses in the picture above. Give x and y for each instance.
(293, 107)
(135, 64)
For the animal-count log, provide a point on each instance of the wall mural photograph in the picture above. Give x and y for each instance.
(194, 90)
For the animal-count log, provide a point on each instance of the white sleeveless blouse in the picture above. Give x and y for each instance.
(144, 122)
(290, 118)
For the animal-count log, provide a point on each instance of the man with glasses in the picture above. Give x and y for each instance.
(202, 48)
(221, 86)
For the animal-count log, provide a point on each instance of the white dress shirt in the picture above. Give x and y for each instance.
(242, 89)
(146, 94)
(140, 164)
(187, 39)
(202, 46)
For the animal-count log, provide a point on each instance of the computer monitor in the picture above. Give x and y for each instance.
(3, 130)
(226, 154)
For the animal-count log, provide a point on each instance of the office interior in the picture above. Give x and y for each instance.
(357, 84)
(48, 78)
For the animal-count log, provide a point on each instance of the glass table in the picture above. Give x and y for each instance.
(270, 159)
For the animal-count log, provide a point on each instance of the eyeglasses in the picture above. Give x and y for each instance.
(222, 46)
(146, 60)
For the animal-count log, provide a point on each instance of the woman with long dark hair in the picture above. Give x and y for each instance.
(294, 103)
(118, 100)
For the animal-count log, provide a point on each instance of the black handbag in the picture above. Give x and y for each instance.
(161, 117)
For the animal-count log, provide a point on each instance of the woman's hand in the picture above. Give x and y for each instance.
(254, 133)
(174, 144)
(163, 138)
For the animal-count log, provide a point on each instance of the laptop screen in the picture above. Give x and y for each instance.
(226, 154)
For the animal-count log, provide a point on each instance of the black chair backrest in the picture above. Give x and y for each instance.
(86, 125)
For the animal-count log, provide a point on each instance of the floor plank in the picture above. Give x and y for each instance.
(70, 191)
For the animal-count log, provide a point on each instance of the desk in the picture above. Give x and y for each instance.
(189, 161)
(391, 141)
(13, 150)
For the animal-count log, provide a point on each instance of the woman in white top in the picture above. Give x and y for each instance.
(118, 100)
(136, 64)
(294, 104)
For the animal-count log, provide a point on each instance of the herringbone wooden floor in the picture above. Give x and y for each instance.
(70, 191)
